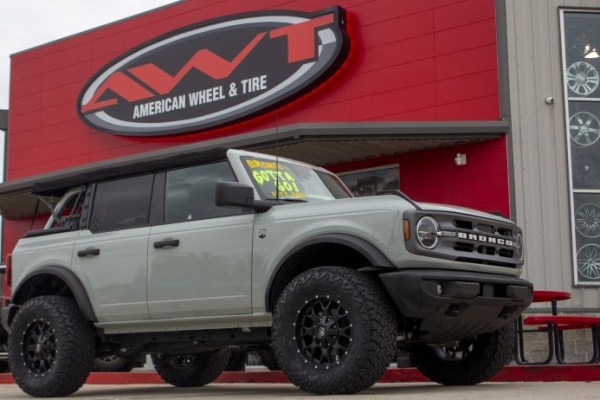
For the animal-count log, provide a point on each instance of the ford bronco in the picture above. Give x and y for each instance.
(188, 256)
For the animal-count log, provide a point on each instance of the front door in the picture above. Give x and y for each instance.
(200, 259)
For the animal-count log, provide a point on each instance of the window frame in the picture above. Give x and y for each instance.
(93, 204)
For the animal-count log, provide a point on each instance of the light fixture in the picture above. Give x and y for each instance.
(460, 159)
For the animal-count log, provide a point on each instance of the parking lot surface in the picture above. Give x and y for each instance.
(404, 391)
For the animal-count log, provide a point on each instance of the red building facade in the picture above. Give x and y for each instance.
(421, 78)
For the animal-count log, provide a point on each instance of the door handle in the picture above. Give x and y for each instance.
(166, 243)
(90, 251)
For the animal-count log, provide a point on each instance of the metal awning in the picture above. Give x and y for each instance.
(320, 144)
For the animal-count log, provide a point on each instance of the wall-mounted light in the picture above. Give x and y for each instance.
(460, 159)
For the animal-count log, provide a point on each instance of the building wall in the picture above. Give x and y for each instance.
(541, 186)
(414, 60)
(410, 60)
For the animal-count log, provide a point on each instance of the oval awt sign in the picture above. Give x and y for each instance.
(211, 74)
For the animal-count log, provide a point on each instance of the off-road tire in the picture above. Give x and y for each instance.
(51, 347)
(237, 361)
(269, 359)
(113, 363)
(489, 353)
(191, 370)
(351, 344)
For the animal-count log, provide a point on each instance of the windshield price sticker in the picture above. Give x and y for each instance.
(267, 174)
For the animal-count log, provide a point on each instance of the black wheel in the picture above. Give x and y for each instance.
(470, 362)
(333, 331)
(269, 359)
(191, 370)
(51, 347)
(113, 363)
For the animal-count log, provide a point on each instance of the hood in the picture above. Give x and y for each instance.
(462, 210)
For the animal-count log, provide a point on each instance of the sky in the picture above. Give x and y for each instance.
(30, 23)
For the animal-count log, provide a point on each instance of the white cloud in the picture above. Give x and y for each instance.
(29, 23)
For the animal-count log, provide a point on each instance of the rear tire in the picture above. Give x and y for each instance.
(113, 363)
(269, 359)
(470, 362)
(334, 331)
(191, 370)
(41, 327)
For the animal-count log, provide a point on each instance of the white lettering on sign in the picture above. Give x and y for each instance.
(255, 84)
(206, 96)
(159, 106)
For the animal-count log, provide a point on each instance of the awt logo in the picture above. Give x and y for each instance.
(212, 74)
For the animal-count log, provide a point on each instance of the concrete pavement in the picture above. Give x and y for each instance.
(404, 391)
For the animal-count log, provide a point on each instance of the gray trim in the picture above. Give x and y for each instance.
(4, 120)
(504, 93)
(71, 280)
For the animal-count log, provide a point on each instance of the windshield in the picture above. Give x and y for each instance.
(293, 182)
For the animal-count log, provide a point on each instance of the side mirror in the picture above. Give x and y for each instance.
(235, 194)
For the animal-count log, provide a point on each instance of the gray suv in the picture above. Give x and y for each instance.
(189, 256)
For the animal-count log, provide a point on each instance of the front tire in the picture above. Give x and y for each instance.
(191, 370)
(333, 331)
(51, 347)
(470, 362)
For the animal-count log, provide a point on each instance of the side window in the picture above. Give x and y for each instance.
(190, 193)
(68, 211)
(122, 204)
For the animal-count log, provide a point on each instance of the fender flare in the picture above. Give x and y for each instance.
(71, 280)
(366, 249)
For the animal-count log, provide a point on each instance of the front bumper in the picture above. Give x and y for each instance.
(469, 304)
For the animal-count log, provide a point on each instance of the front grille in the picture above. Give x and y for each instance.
(471, 239)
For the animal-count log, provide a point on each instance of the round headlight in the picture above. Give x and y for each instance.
(519, 250)
(427, 232)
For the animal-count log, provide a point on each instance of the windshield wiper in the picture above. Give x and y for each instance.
(288, 200)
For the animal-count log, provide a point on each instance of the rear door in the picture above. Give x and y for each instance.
(111, 256)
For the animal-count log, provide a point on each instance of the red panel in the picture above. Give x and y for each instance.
(23, 140)
(382, 10)
(467, 87)
(463, 13)
(26, 105)
(26, 69)
(25, 87)
(80, 72)
(466, 62)
(403, 52)
(465, 37)
(480, 108)
(395, 77)
(397, 29)
(413, 98)
(73, 55)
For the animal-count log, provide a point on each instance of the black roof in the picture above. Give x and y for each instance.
(18, 198)
(58, 184)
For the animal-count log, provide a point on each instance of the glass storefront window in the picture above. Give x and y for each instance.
(370, 181)
(581, 67)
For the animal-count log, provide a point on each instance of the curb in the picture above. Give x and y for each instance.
(554, 373)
